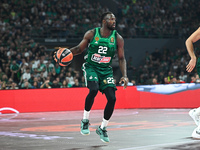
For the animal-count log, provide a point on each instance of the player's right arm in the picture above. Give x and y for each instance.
(83, 44)
(190, 48)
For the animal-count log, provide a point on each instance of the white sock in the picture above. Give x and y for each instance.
(104, 123)
(86, 114)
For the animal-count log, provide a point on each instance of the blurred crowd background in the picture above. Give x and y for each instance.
(27, 64)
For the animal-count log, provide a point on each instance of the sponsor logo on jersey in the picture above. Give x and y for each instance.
(100, 59)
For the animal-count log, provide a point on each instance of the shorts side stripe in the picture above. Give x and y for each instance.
(85, 74)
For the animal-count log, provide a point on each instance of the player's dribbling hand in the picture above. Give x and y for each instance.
(125, 81)
(54, 55)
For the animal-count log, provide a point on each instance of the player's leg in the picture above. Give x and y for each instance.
(108, 111)
(195, 115)
(111, 99)
(93, 86)
(108, 87)
(93, 90)
(196, 133)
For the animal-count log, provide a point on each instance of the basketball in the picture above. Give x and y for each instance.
(64, 56)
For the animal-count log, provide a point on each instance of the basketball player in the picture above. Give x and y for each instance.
(102, 43)
(194, 113)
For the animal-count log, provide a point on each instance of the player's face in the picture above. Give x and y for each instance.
(110, 21)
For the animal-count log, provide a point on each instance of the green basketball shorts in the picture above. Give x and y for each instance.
(104, 76)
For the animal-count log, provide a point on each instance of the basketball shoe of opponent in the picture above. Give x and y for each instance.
(196, 133)
(195, 114)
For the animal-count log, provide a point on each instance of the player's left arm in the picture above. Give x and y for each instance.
(122, 60)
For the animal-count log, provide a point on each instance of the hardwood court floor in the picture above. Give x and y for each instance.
(129, 129)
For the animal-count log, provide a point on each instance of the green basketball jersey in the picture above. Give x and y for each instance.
(101, 50)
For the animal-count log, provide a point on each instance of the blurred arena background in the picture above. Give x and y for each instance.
(154, 33)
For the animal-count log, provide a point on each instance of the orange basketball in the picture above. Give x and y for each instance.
(64, 56)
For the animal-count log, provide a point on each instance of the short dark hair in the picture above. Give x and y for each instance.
(105, 14)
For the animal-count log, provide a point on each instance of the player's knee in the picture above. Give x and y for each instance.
(93, 91)
(110, 94)
(112, 99)
(93, 87)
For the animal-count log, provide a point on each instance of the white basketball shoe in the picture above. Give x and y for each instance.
(196, 133)
(195, 116)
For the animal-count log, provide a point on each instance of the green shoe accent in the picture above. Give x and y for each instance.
(85, 127)
(103, 134)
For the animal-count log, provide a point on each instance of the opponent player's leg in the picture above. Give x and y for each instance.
(108, 111)
(195, 114)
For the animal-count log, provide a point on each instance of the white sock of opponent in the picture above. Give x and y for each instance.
(86, 114)
(104, 123)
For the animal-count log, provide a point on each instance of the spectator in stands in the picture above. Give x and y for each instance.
(65, 84)
(170, 76)
(70, 78)
(53, 74)
(26, 84)
(137, 16)
(13, 86)
(45, 84)
(23, 65)
(154, 81)
(18, 59)
(180, 81)
(1, 74)
(166, 81)
(57, 68)
(183, 77)
(62, 77)
(26, 75)
(35, 85)
(3, 85)
(9, 82)
(58, 81)
(76, 83)
(4, 78)
(77, 76)
(193, 79)
(82, 82)
(14, 69)
(50, 66)
(55, 84)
